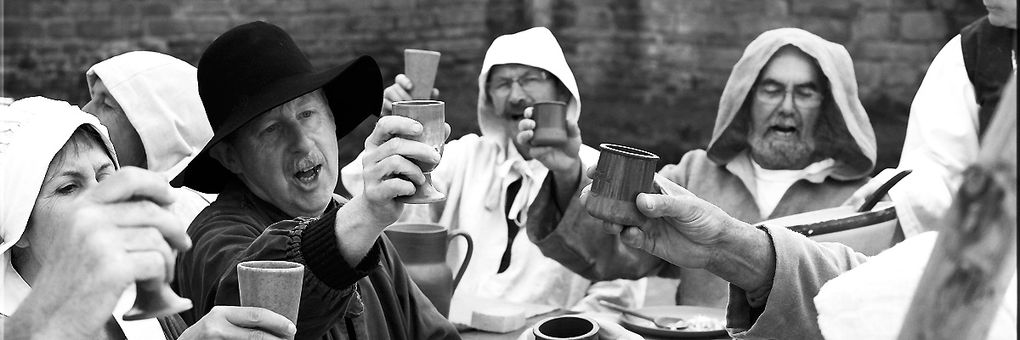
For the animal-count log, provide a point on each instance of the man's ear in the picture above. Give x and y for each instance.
(223, 152)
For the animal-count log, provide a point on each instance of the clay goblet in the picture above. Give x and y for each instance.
(421, 66)
(621, 174)
(273, 285)
(567, 327)
(550, 123)
(155, 299)
(432, 116)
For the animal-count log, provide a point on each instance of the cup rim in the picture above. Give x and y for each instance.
(416, 50)
(419, 102)
(270, 265)
(594, 329)
(627, 151)
(437, 227)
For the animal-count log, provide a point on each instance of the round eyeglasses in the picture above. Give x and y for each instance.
(529, 82)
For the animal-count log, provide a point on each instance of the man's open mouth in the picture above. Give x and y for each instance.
(783, 130)
(308, 175)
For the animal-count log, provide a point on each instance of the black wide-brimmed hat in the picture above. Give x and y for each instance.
(255, 67)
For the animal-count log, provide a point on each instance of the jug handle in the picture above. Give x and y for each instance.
(467, 257)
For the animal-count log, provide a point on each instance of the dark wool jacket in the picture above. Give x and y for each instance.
(374, 300)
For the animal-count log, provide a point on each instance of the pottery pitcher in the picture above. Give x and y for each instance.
(422, 248)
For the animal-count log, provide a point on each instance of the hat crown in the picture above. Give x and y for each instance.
(243, 62)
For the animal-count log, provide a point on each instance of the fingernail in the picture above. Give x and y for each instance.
(417, 128)
(291, 329)
(649, 204)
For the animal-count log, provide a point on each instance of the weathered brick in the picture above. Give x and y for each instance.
(18, 9)
(873, 25)
(156, 9)
(22, 28)
(124, 10)
(874, 4)
(869, 75)
(165, 27)
(841, 8)
(893, 51)
(210, 25)
(924, 25)
(751, 25)
(769, 8)
(831, 29)
(60, 28)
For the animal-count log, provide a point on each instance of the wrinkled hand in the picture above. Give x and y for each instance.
(560, 159)
(399, 91)
(681, 228)
(388, 170)
(231, 322)
(125, 223)
(120, 232)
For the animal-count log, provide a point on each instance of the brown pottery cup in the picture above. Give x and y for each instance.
(273, 285)
(432, 116)
(550, 123)
(621, 174)
(567, 327)
(421, 66)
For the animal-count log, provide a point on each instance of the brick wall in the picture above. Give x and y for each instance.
(662, 61)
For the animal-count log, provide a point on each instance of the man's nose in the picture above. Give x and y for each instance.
(300, 140)
(517, 94)
(787, 104)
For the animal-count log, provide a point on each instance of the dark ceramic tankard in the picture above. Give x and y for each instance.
(422, 248)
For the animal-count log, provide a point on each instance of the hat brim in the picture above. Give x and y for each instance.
(354, 91)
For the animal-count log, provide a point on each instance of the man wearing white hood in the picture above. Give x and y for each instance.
(492, 180)
(149, 102)
(791, 136)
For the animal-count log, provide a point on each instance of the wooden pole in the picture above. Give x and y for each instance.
(974, 257)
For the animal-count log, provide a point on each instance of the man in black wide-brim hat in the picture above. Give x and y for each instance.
(273, 160)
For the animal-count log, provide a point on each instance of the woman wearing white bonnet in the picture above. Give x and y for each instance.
(71, 244)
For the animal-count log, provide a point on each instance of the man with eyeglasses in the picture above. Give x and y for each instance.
(491, 181)
(791, 136)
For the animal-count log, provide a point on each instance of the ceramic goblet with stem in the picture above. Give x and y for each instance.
(155, 298)
(432, 116)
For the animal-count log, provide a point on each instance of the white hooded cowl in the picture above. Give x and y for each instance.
(159, 96)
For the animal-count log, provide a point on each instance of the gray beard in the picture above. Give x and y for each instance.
(781, 154)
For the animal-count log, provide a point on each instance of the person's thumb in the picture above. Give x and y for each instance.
(655, 206)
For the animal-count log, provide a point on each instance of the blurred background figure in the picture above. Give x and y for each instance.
(149, 102)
